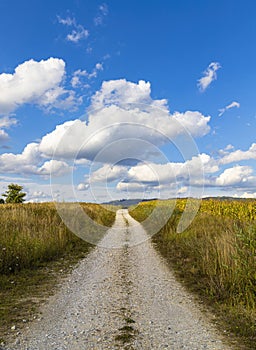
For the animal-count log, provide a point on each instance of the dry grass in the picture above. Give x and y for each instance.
(36, 248)
(34, 233)
(216, 258)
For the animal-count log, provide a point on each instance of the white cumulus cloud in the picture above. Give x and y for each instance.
(125, 127)
(239, 155)
(122, 111)
(121, 92)
(166, 173)
(151, 176)
(31, 162)
(108, 173)
(36, 83)
(54, 167)
(236, 176)
(21, 163)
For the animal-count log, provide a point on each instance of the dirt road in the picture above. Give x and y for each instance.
(121, 298)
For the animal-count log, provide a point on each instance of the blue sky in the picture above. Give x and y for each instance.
(123, 99)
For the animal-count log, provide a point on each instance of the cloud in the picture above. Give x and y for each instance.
(5, 123)
(121, 111)
(37, 83)
(108, 173)
(60, 98)
(75, 81)
(54, 167)
(31, 162)
(194, 122)
(187, 171)
(239, 155)
(125, 126)
(21, 163)
(102, 12)
(209, 76)
(121, 92)
(229, 147)
(186, 176)
(82, 187)
(38, 197)
(3, 136)
(246, 195)
(231, 105)
(131, 187)
(104, 9)
(237, 176)
(79, 74)
(183, 190)
(78, 32)
(98, 67)
(121, 143)
(150, 176)
(67, 21)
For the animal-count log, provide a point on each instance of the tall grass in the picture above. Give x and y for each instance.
(34, 233)
(36, 249)
(216, 258)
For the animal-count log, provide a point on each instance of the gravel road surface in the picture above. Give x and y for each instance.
(120, 298)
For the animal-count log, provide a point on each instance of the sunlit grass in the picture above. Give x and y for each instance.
(215, 257)
(34, 233)
(36, 248)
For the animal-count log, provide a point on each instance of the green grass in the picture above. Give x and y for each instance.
(216, 259)
(36, 249)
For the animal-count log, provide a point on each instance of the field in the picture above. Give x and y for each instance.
(35, 245)
(215, 257)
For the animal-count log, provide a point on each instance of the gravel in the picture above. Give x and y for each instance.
(121, 296)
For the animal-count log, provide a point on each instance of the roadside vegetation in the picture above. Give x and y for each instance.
(14, 194)
(215, 257)
(36, 247)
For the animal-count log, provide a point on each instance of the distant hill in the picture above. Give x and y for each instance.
(126, 203)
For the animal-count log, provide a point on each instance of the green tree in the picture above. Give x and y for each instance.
(1, 201)
(14, 194)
